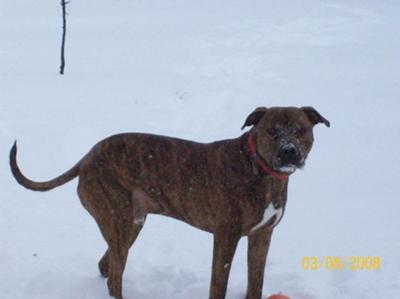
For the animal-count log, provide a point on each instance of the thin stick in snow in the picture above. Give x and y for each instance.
(64, 13)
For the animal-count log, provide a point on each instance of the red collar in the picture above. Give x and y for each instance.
(267, 170)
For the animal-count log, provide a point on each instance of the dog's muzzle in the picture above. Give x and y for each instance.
(289, 154)
(290, 158)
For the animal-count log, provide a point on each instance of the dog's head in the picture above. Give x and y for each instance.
(284, 135)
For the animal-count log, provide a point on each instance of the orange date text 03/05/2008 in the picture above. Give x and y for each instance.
(341, 263)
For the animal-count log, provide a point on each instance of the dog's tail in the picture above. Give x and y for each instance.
(39, 186)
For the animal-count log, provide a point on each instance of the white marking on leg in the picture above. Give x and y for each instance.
(269, 212)
(139, 204)
(279, 213)
(139, 220)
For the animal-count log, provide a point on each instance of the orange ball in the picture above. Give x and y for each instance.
(278, 296)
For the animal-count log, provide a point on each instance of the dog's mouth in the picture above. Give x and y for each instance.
(291, 168)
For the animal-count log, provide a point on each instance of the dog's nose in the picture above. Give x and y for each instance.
(289, 154)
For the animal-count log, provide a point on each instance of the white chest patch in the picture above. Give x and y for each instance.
(269, 212)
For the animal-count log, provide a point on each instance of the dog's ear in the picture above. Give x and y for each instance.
(254, 117)
(314, 116)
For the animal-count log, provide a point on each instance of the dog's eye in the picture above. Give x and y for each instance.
(301, 131)
(274, 131)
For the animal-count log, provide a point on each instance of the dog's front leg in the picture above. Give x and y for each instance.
(258, 245)
(224, 249)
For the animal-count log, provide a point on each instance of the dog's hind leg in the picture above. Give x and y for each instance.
(104, 263)
(112, 208)
(141, 206)
(119, 234)
(117, 256)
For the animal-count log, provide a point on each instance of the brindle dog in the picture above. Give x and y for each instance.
(230, 188)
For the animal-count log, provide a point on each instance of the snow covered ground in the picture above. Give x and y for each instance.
(195, 69)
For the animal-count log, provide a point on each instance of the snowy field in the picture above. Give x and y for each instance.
(195, 70)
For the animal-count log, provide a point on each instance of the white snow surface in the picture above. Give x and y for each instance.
(195, 70)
